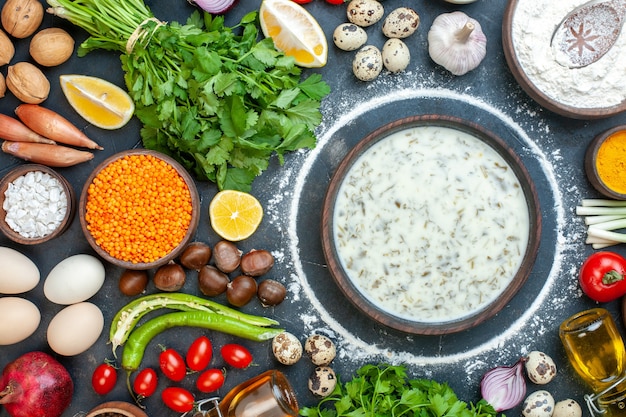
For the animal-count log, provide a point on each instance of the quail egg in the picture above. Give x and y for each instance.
(401, 23)
(396, 55)
(567, 408)
(287, 348)
(540, 367)
(320, 349)
(322, 381)
(538, 404)
(367, 63)
(365, 12)
(349, 37)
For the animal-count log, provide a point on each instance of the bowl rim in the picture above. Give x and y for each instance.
(583, 113)
(360, 301)
(591, 168)
(19, 171)
(191, 230)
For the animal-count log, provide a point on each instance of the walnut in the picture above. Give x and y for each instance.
(51, 47)
(27, 83)
(7, 50)
(21, 18)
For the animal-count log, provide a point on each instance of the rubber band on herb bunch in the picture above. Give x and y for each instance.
(141, 33)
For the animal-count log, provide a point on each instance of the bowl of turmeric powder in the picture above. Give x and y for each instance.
(139, 209)
(605, 163)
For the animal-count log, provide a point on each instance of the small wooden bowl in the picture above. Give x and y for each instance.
(583, 113)
(69, 214)
(591, 168)
(195, 217)
(116, 408)
(354, 291)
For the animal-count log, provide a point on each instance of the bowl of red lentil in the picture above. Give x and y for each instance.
(37, 204)
(605, 163)
(139, 208)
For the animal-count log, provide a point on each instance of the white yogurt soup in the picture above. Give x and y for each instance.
(431, 224)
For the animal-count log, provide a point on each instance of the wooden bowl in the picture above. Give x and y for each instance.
(116, 409)
(421, 246)
(535, 92)
(591, 167)
(20, 171)
(191, 230)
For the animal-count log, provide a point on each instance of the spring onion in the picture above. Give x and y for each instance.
(605, 221)
(504, 387)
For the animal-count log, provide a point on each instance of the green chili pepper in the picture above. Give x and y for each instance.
(140, 337)
(127, 317)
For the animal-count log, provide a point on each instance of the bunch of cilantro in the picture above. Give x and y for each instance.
(385, 390)
(218, 99)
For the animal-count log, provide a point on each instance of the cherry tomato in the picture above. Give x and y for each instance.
(145, 383)
(302, 1)
(602, 276)
(236, 355)
(199, 354)
(178, 399)
(172, 365)
(210, 380)
(335, 1)
(104, 378)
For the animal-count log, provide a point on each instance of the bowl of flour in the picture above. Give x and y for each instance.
(591, 92)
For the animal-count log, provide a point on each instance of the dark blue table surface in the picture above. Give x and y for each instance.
(551, 147)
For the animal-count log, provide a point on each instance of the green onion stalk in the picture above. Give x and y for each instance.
(216, 98)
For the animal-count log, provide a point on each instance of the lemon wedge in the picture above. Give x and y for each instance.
(294, 31)
(100, 102)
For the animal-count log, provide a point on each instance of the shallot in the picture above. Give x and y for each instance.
(504, 387)
(214, 6)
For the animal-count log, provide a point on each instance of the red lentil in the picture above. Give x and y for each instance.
(138, 208)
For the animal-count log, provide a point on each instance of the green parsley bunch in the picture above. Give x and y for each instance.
(216, 98)
(385, 390)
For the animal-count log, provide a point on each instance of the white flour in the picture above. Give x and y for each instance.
(596, 86)
(522, 335)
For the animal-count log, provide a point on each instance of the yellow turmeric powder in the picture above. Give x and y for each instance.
(611, 162)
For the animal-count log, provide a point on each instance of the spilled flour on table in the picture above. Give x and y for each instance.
(522, 334)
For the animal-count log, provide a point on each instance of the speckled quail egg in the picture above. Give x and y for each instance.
(538, 404)
(540, 367)
(320, 349)
(349, 37)
(367, 63)
(365, 12)
(322, 381)
(401, 23)
(396, 55)
(287, 348)
(567, 408)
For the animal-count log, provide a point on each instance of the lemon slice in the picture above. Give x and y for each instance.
(235, 215)
(294, 32)
(100, 102)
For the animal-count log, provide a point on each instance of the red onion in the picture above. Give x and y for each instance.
(214, 6)
(504, 387)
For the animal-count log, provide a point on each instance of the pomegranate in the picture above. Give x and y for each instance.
(35, 385)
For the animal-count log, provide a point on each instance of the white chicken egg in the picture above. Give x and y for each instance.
(74, 279)
(75, 329)
(18, 273)
(20, 319)
(396, 55)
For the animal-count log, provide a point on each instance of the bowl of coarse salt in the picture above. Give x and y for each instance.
(558, 75)
(36, 204)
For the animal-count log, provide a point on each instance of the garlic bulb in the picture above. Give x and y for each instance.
(456, 42)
